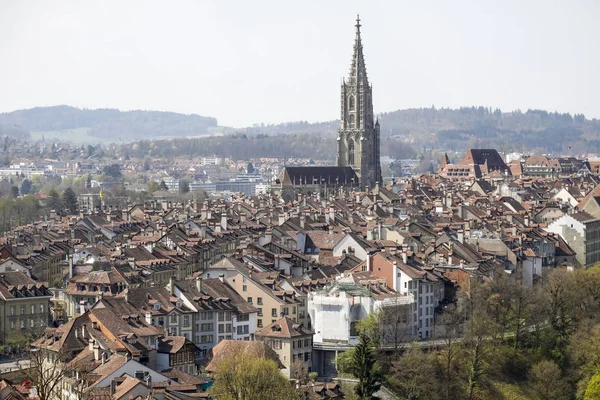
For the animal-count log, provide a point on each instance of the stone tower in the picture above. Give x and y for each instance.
(358, 138)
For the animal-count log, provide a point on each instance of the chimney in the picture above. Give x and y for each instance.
(113, 386)
(91, 344)
(302, 221)
(450, 258)
(70, 256)
(222, 278)
(526, 220)
(97, 354)
(369, 261)
(148, 317)
(199, 284)
(461, 236)
(404, 256)
(224, 221)
(81, 309)
(281, 219)
(83, 331)
(330, 230)
(331, 215)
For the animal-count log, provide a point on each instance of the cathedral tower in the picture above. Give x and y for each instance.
(358, 136)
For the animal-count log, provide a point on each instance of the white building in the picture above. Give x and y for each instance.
(220, 312)
(581, 231)
(335, 310)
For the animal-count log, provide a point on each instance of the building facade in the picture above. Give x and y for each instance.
(581, 231)
(24, 305)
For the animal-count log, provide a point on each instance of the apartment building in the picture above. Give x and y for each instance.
(291, 341)
(24, 305)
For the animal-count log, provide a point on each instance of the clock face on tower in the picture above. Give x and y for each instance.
(358, 139)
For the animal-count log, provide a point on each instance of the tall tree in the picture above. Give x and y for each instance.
(413, 376)
(54, 201)
(365, 368)
(185, 187)
(113, 170)
(70, 200)
(26, 187)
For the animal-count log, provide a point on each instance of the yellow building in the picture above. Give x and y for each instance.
(292, 343)
(262, 290)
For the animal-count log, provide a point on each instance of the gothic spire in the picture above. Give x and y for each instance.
(358, 71)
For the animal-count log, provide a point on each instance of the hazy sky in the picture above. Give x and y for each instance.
(273, 61)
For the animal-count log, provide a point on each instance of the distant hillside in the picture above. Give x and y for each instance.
(108, 124)
(468, 127)
(405, 133)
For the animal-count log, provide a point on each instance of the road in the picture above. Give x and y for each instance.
(11, 365)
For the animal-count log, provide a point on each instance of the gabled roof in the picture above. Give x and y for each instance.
(291, 176)
(284, 328)
(483, 156)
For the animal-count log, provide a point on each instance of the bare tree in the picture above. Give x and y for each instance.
(394, 322)
(48, 370)
(299, 370)
(452, 323)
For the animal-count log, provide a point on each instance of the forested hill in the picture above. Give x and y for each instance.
(469, 127)
(109, 124)
(412, 130)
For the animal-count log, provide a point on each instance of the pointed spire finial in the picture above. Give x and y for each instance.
(357, 22)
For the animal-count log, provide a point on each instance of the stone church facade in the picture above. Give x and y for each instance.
(357, 165)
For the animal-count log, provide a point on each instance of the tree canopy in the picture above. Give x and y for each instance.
(245, 377)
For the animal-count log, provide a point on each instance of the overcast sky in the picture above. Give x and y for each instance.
(245, 62)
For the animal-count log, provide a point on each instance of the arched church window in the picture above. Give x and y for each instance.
(351, 103)
(351, 152)
(351, 121)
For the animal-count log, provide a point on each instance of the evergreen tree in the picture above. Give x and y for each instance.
(365, 368)
(163, 186)
(14, 192)
(26, 187)
(185, 187)
(54, 201)
(70, 200)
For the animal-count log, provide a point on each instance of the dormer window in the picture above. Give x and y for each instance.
(157, 306)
